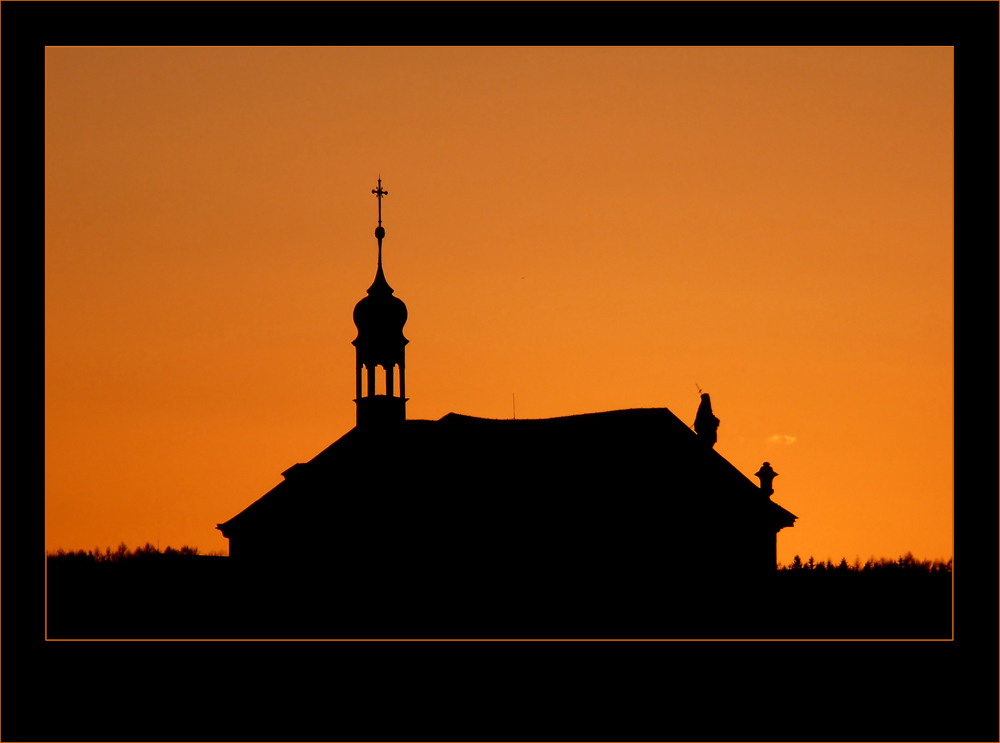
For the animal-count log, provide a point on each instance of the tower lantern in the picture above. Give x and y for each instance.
(379, 318)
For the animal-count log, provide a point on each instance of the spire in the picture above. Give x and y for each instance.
(380, 285)
(379, 231)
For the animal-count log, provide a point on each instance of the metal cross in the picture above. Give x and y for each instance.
(380, 193)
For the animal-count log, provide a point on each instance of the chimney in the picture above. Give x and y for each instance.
(766, 475)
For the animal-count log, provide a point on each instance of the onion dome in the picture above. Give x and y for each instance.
(380, 317)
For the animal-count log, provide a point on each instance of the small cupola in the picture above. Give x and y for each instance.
(380, 318)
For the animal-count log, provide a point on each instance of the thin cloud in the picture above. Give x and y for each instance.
(780, 438)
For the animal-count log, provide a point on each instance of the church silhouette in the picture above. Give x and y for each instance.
(549, 512)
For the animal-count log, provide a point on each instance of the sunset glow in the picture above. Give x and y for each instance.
(579, 229)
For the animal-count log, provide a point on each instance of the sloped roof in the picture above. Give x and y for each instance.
(567, 473)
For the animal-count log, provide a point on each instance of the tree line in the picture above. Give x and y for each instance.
(121, 553)
(906, 562)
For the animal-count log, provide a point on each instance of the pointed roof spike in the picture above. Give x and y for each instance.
(380, 231)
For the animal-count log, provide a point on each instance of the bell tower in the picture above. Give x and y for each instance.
(379, 318)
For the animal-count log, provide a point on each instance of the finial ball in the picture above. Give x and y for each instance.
(379, 232)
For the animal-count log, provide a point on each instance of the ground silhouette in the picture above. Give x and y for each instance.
(171, 595)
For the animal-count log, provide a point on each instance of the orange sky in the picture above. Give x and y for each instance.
(587, 229)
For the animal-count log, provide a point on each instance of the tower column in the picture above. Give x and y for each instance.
(388, 379)
(402, 381)
(358, 375)
(371, 380)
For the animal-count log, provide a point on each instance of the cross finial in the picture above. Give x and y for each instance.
(380, 193)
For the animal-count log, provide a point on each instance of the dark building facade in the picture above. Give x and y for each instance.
(588, 504)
